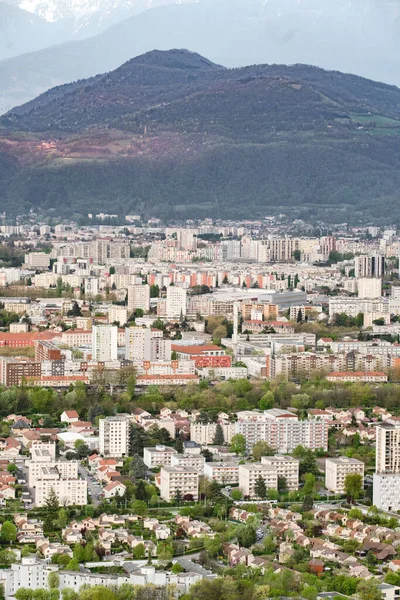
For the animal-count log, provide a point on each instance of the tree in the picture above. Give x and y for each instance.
(368, 589)
(73, 565)
(8, 532)
(260, 488)
(62, 518)
(219, 439)
(282, 485)
(309, 488)
(11, 468)
(236, 495)
(260, 449)
(139, 469)
(353, 485)
(53, 580)
(246, 535)
(141, 492)
(177, 568)
(51, 502)
(139, 552)
(238, 444)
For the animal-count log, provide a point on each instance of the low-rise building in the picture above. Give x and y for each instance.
(159, 456)
(286, 467)
(224, 473)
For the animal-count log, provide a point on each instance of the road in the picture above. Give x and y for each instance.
(93, 489)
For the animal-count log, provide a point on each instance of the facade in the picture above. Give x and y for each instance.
(138, 297)
(69, 492)
(286, 467)
(205, 433)
(114, 436)
(387, 448)
(183, 480)
(358, 376)
(104, 343)
(14, 371)
(224, 473)
(336, 471)
(369, 266)
(37, 260)
(249, 473)
(159, 456)
(369, 287)
(176, 302)
(386, 491)
(194, 461)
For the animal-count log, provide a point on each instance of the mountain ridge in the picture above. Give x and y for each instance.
(172, 134)
(332, 35)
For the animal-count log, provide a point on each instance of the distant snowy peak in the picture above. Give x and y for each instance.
(92, 15)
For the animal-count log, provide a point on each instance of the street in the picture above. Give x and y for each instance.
(94, 488)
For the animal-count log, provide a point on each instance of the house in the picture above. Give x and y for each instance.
(69, 416)
(316, 566)
(71, 536)
(115, 488)
(394, 565)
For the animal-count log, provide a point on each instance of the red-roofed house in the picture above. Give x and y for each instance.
(69, 416)
(203, 356)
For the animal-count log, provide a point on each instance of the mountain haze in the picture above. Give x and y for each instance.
(358, 36)
(173, 134)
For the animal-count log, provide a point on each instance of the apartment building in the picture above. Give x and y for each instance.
(224, 473)
(358, 376)
(336, 471)
(193, 461)
(70, 491)
(286, 467)
(387, 448)
(114, 436)
(159, 456)
(204, 433)
(138, 297)
(182, 480)
(369, 266)
(145, 344)
(369, 287)
(45, 350)
(104, 343)
(283, 431)
(13, 371)
(249, 473)
(117, 314)
(37, 260)
(66, 469)
(386, 481)
(176, 302)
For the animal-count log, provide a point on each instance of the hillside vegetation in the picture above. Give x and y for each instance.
(172, 134)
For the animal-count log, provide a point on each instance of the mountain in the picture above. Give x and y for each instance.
(22, 32)
(173, 134)
(357, 36)
(88, 17)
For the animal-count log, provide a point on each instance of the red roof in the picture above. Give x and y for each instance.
(357, 374)
(195, 349)
(72, 414)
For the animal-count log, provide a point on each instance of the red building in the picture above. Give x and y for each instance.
(203, 356)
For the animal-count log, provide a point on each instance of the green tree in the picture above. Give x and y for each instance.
(260, 488)
(236, 495)
(353, 484)
(53, 580)
(51, 502)
(309, 488)
(260, 449)
(73, 565)
(246, 535)
(141, 491)
(62, 518)
(8, 532)
(238, 444)
(219, 439)
(368, 589)
(139, 552)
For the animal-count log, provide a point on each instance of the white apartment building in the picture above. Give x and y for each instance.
(66, 469)
(104, 343)
(69, 491)
(138, 297)
(249, 473)
(145, 344)
(114, 436)
(387, 448)
(369, 287)
(159, 456)
(37, 260)
(117, 314)
(286, 467)
(386, 491)
(336, 471)
(224, 473)
(284, 434)
(386, 482)
(204, 433)
(176, 302)
(184, 479)
(193, 461)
